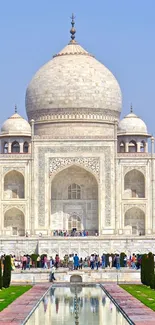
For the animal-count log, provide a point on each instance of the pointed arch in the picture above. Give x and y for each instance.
(122, 146)
(132, 146)
(14, 185)
(5, 147)
(14, 222)
(135, 218)
(74, 192)
(15, 147)
(134, 184)
(26, 147)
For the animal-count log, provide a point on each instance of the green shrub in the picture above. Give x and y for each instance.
(152, 281)
(7, 271)
(150, 269)
(34, 259)
(143, 268)
(1, 278)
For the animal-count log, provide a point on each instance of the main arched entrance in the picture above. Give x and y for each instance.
(74, 200)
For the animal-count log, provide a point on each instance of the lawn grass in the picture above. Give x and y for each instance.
(142, 293)
(7, 296)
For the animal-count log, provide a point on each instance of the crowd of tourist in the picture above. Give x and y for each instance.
(73, 233)
(73, 262)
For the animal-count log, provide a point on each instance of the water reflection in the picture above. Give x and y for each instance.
(76, 305)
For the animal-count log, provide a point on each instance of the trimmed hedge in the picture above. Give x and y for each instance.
(7, 271)
(147, 270)
(34, 259)
(1, 277)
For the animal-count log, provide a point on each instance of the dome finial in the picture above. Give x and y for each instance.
(15, 109)
(73, 30)
(131, 108)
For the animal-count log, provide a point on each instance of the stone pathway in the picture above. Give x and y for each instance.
(133, 308)
(16, 313)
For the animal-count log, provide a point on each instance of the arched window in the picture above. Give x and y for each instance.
(74, 222)
(132, 146)
(74, 192)
(5, 148)
(26, 147)
(15, 147)
(122, 147)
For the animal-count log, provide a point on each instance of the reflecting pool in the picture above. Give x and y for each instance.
(76, 305)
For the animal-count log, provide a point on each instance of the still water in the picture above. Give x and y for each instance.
(76, 305)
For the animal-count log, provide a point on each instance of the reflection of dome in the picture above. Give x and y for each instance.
(16, 125)
(132, 124)
(73, 83)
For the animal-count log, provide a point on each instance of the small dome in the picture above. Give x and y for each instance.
(16, 125)
(132, 124)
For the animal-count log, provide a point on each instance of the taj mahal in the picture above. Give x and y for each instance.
(74, 164)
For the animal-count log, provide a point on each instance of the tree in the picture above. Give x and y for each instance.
(1, 277)
(34, 259)
(150, 268)
(143, 268)
(7, 271)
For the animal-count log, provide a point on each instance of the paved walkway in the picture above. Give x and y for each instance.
(16, 313)
(134, 309)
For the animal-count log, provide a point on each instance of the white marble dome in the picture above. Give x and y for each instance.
(132, 124)
(73, 82)
(16, 125)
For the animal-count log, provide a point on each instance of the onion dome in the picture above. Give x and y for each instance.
(132, 124)
(16, 125)
(73, 85)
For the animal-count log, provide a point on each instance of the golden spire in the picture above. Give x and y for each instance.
(73, 30)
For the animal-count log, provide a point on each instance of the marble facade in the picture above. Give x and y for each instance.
(75, 164)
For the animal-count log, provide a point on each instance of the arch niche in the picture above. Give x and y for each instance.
(134, 184)
(14, 185)
(14, 221)
(74, 200)
(135, 218)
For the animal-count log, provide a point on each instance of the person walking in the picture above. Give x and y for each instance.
(45, 262)
(117, 262)
(24, 261)
(28, 262)
(92, 261)
(76, 262)
(103, 261)
(110, 261)
(80, 263)
(52, 277)
(57, 260)
(97, 262)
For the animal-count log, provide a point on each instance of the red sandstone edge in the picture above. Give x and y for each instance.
(16, 313)
(133, 308)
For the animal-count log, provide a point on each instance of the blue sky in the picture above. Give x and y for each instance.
(120, 33)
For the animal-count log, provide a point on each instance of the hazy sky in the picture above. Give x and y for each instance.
(120, 33)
